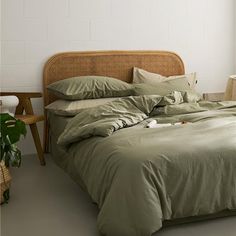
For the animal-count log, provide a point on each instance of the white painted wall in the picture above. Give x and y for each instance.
(201, 31)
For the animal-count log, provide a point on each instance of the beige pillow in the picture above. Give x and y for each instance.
(143, 76)
(71, 108)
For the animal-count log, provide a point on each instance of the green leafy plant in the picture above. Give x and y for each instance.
(11, 131)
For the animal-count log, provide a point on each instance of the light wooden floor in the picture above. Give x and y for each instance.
(46, 202)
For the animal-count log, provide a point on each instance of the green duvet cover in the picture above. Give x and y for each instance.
(140, 176)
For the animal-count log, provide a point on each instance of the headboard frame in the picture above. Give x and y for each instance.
(117, 64)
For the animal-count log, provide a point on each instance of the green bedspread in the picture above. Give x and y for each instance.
(139, 176)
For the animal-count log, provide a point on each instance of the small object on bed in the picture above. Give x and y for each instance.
(154, 124)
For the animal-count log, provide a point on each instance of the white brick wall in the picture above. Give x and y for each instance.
(202, 32)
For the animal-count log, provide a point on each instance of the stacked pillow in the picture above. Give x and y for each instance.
(82, 92)
(78, 93)
(147, 83)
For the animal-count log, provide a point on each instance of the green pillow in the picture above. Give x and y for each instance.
(147, 89)
(162, 88)
(167, 87)
(87, 87)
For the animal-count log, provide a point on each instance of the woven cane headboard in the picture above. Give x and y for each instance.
(117, 64)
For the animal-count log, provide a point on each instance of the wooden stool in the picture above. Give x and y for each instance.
(29, 118)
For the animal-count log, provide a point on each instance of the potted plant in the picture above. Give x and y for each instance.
(10, 133)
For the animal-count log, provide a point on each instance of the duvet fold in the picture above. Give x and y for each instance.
(121, 113)
(125, 112)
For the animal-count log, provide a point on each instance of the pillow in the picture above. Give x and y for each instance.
(168, 87)
(71, 108)
(164, 88)
(86, 87)
(147, 89)
(142, 76)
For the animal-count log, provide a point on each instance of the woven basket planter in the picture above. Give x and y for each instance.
(5, 181)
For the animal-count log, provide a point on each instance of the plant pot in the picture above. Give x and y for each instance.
(5, 181)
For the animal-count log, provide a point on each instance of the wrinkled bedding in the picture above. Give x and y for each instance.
(140, 177)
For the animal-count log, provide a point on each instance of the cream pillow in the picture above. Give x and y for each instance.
(142, 76)
(71, 108)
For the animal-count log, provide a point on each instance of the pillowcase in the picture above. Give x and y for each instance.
(143, 76)
(168, 87)
(71, 108)
(86, 87)
(164, 88)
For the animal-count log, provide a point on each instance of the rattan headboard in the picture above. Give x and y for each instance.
(117, 64)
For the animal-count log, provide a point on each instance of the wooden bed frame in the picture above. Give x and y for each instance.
(116, 64)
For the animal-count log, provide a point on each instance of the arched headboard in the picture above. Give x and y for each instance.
(117, 64)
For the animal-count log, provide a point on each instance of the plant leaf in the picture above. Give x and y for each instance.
(11, 129)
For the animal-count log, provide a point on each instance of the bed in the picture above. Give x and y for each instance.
(142, 179)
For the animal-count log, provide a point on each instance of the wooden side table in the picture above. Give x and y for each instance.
(29, 118)
(230, 93)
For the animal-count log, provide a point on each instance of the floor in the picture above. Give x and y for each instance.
(45, 201)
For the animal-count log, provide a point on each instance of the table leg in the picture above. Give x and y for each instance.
(37, 142)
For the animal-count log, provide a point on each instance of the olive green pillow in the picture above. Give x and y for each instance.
(71, 108)
(163, 88)
(168, 87)
(87, 87)
(143, 76)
